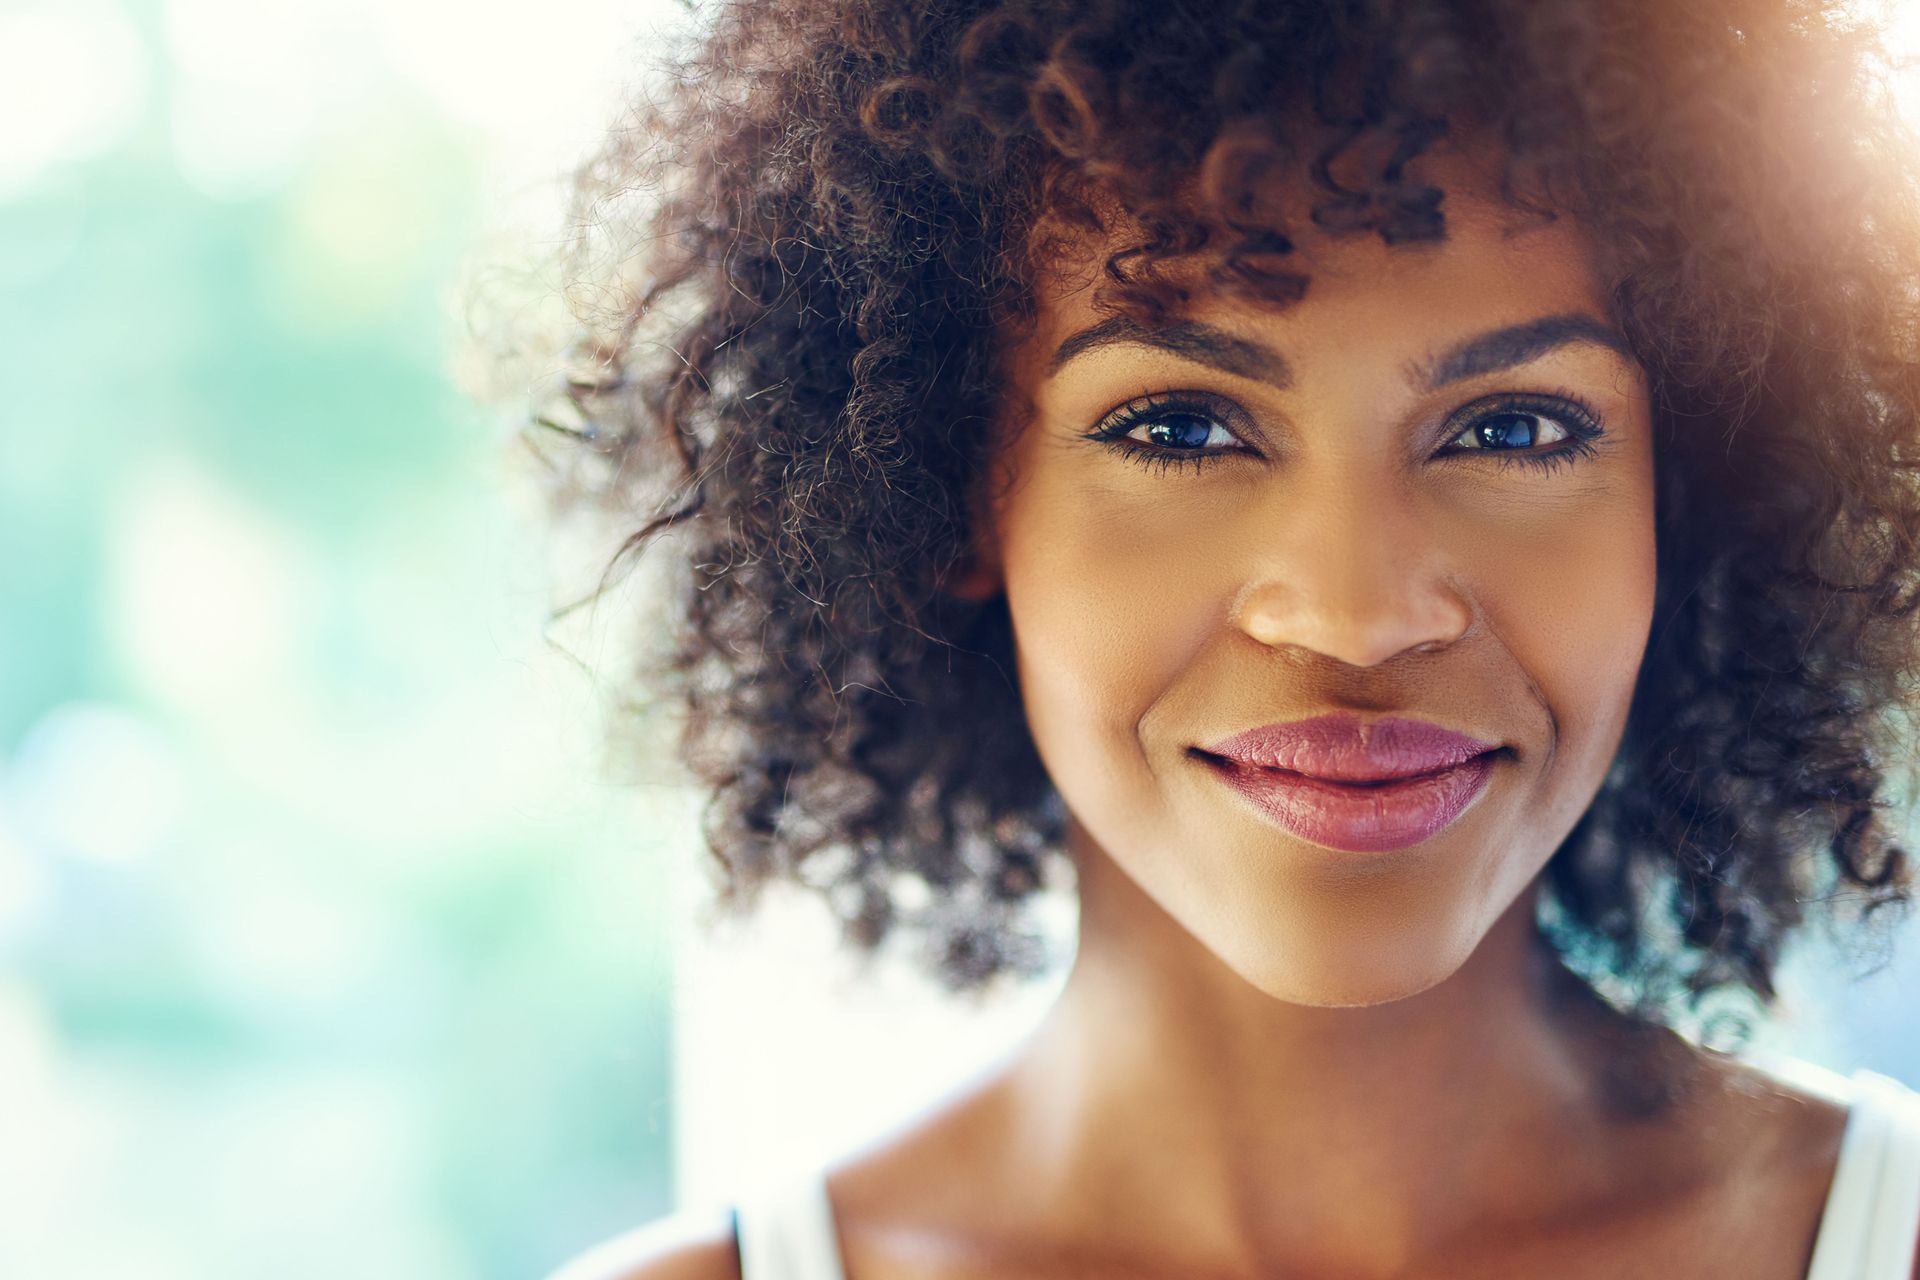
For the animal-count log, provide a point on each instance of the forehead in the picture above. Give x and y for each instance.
(1498, 264)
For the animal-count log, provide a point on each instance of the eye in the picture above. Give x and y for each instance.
(1514, 427)
(1190, 429)
(1162, 431)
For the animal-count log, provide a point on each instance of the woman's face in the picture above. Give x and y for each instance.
(1386, 501)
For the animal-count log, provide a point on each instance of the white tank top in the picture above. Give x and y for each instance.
(1867, 1229)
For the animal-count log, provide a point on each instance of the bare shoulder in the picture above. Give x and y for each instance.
(1792, 1127)
(1784, 1084)
(681, 1246)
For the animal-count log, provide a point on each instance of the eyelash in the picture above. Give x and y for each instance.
(1572, 412)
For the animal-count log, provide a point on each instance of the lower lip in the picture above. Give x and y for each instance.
(1360, 819)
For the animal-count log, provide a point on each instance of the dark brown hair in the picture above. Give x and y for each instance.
(796, 254)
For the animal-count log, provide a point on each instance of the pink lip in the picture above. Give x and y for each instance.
(1357, 785)
(1345, 748)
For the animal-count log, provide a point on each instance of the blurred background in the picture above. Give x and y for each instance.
(330, 940)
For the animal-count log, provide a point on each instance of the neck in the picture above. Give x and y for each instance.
(1165, 1091)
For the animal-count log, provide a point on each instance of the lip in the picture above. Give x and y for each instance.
(1356, 785)
(1345, 748)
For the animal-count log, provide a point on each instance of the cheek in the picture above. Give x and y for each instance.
(1111, 605)
(1571, 600)
(1120, 593)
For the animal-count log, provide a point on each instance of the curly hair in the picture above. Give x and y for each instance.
(798, 259)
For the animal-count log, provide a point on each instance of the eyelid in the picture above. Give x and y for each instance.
(1576, 414)
(1120, 419)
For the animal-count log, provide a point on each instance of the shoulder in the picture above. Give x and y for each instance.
(1899, 1104)
(687, 1245)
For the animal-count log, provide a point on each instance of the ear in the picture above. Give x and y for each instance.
(976, 576)
(974, 582)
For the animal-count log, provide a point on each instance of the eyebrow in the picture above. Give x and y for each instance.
(1190, 339)
(1488, 352)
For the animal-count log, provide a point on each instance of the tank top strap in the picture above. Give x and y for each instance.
(785, 1230)
(1872, 1217)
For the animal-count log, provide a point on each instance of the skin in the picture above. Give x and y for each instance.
(1271, 1058)
(1333, 563)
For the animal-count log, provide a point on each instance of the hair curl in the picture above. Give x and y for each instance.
(795, 257)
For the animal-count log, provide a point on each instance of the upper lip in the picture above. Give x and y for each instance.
(1347, 748)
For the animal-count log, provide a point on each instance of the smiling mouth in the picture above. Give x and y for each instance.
(1371, 815)
(1372, 784)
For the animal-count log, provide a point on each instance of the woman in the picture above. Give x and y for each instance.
(1406, 508)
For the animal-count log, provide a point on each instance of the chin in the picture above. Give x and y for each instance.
(1350, 991)
(1344, 956)
(1345, 981)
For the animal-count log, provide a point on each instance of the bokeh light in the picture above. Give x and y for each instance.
(327, 945)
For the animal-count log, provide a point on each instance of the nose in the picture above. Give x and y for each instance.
(1360, 583)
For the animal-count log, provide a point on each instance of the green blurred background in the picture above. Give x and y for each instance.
(329, 945)
(324, 947)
